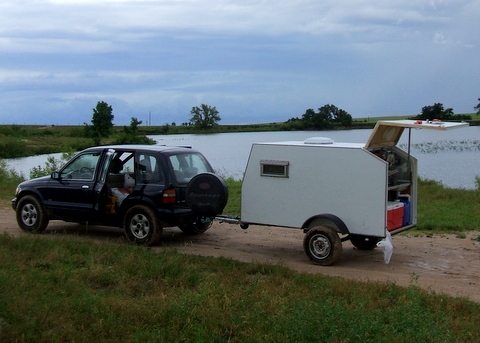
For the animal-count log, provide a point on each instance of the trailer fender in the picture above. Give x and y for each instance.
(326, 219)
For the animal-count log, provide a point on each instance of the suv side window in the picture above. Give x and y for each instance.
(186, 166)
(148, 169)
(82, 167)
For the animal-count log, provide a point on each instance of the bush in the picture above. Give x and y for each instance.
(52, 164)
(9, 179)
(12, 147)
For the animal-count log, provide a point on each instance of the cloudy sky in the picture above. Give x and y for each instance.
(256, 61)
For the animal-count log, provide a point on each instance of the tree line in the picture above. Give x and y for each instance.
(205, 117)
(326, 117)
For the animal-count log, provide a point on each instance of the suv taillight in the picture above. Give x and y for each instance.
(169, 196)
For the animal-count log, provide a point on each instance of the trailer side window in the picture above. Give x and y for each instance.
(274, 168)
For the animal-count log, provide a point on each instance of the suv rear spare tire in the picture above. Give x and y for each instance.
(207, 194)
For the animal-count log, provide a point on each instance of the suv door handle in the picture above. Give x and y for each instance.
(85, 187)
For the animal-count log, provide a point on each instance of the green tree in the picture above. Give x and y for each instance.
(435, 111)
(204, 117)
(102, 122)
(326, 117)
(477, 108)
(130, 134)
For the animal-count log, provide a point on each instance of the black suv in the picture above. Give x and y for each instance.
(140, 188)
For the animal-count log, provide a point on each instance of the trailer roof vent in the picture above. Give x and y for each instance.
(318, 140)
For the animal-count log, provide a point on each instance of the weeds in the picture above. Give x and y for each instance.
(52, 164)
(448, 210)
(9, 179)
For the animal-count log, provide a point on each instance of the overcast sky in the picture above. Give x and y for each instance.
(255, 61)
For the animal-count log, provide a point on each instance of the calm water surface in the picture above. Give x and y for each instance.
(452, 157)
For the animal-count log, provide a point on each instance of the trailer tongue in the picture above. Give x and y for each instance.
(331, 189)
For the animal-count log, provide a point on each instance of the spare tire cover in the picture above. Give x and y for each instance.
(207, 194)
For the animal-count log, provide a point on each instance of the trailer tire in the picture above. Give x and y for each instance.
(362, 242)
(322, 245)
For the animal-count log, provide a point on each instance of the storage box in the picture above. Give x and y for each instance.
(110, 205)
(405, 198)
(395, 212)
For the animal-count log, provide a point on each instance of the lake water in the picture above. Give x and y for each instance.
(451, 157)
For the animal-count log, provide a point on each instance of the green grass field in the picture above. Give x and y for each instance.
(69, 290)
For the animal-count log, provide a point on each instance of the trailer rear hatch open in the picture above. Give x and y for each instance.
(388, 132)
(402, 169)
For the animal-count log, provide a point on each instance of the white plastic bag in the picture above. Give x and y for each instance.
(387, 247)
(119, 195)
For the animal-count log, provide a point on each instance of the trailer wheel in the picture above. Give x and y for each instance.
(322, 245)
(142, 226)
(364, 242)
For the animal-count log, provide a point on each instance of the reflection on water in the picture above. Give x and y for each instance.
(228, 152)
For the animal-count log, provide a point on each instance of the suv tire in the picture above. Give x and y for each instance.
(195, 228)
(31, 215)
(142, 225)
(207, 194)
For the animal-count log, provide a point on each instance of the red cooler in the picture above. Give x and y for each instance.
(395, 211)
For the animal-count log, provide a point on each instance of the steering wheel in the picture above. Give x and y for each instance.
(85, 171)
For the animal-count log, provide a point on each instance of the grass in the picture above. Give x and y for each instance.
(234, 196)
(447, 210)
(67, 290)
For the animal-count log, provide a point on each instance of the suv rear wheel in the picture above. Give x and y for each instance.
(142, 226)
(196, 228)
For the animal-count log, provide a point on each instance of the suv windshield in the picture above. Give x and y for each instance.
(82, 167)
(187, 165)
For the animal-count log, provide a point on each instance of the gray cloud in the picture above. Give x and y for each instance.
(254, 60)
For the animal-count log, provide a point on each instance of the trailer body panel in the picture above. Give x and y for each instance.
(340, 179)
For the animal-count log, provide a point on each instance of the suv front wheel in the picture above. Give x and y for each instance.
(31, 216)
(142, 226)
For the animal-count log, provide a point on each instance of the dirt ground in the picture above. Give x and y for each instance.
(439, 263)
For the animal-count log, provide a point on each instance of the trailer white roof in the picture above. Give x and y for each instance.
(310, 142)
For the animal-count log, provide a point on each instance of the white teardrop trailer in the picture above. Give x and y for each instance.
(330, 189)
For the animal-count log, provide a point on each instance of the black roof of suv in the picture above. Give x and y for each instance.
(141, 188)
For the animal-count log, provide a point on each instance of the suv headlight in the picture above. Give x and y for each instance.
(18, 190)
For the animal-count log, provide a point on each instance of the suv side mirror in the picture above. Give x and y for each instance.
(55, 176)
